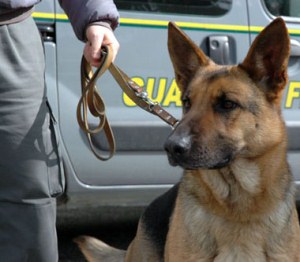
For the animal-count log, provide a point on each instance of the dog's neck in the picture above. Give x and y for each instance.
(246, 186)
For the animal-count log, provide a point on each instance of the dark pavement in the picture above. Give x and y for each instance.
(117, 235)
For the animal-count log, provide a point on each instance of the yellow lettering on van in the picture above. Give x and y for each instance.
(160, 90)
(173, 95)
(293, 93)
(164, 95)
(127, 101)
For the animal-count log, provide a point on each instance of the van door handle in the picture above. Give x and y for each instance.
(295, 47)
(219, 49)
(47, 32)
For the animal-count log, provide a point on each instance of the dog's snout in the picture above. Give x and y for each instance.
(178, 147)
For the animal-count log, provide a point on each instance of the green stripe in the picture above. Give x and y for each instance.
(129, 22)
(186, 28)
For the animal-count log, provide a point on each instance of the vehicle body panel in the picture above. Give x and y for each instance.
(140, 170)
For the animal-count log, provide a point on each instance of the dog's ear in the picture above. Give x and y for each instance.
(267, 60)
(185, 55)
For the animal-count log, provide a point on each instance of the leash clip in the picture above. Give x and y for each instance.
(139, 92)
(144, 95)
(147, 104)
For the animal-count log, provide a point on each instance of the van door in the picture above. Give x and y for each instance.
(260, 14)
(218, 26)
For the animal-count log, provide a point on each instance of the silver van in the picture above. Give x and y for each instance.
(140, 171)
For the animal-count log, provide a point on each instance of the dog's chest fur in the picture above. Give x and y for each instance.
(225, 234)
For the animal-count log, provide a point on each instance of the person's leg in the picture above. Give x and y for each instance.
(27, 232)
(29, 171)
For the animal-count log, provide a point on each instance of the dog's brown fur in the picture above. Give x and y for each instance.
(235, 201)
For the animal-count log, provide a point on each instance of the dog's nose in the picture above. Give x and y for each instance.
(178, 147)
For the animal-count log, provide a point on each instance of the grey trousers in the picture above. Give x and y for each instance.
(30, 176)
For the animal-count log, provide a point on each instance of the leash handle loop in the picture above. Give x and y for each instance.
(92, 102)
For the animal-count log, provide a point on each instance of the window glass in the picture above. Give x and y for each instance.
(195, 7)
(284, 7)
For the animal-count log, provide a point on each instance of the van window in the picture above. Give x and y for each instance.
(283, 7)
(194, 7)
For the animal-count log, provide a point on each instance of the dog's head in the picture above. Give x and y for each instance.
(228, 111)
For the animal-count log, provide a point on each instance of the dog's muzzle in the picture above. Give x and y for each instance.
(185, 151)
(178, 148)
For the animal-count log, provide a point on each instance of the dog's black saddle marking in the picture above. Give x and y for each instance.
(156, 219)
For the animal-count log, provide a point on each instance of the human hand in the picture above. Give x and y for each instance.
(98, 36)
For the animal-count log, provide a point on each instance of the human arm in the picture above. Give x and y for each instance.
(93, 21)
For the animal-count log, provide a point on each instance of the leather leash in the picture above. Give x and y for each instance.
(91, 101)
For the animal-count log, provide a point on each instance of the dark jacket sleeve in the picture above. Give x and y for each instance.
(83, 12)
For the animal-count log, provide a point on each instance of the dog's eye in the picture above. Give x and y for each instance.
(229, 105)
(226, 105)
(186, 104)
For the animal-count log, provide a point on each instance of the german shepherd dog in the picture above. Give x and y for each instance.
(235, 201)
